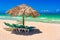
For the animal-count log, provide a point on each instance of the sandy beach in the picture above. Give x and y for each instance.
(50, 31)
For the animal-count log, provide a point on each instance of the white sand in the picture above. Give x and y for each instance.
(50, 31)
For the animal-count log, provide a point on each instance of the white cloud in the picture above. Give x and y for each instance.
(44, 10)
(57, 10)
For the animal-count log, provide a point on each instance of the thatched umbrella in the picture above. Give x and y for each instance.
(22, 10)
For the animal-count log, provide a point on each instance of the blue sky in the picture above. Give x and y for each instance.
(39, 5)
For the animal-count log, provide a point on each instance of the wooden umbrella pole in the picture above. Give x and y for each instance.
(23, 19)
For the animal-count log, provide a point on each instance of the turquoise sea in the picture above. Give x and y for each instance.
(51, 18)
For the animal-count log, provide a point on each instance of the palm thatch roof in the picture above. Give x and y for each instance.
(20, 9)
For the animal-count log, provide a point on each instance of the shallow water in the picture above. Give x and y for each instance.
(52, 18)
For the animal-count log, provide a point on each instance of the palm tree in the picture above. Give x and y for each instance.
(22, 10)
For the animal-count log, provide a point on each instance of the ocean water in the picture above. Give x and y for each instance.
(51, 18)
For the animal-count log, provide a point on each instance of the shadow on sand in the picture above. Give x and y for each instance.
(34, 31)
